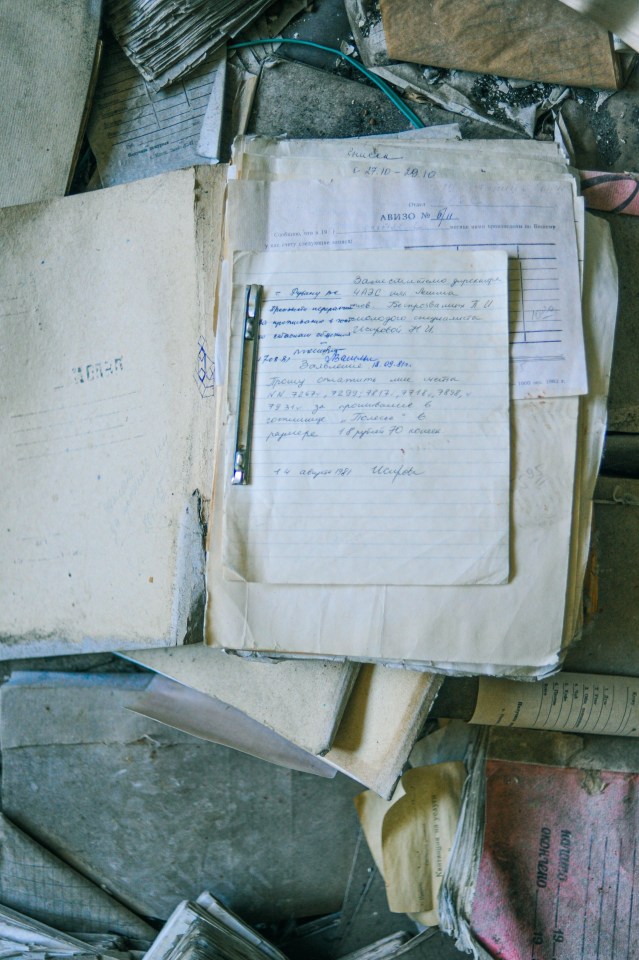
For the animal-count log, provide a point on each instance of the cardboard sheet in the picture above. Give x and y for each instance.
(301, 700)
(107, 418)
(384, 714)
(48, 52)
(533, 39)
(619, 16)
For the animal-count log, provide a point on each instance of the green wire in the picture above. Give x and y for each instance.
(383, 86)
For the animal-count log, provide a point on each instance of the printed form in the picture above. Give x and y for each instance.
(574, 702)
(137, 132)
(535, 226)
(381, 441)
(569, 888)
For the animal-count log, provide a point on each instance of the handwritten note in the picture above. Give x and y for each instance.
(575, 702)
(380, 447)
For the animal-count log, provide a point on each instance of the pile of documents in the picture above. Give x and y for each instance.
(563, 872)
(406, 503)
(23, 937)
(205, 930)
(428, 409)
(296, 437)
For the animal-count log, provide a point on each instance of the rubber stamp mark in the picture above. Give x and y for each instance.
(204, 369)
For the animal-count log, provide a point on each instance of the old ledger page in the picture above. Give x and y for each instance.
(48, 53)
(106, 420)
(380, 442)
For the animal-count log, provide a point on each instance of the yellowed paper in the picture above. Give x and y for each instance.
(107, 418)
(531, 609)
(390, 148)
(385, 712)
(570, 702)
(600, 296)
(419, 165)
(411, 835)
(536, 227)
(380, 441)
(415, 623)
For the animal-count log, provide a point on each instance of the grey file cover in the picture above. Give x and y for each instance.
(107, 396)
(155, 815)
(35, 882)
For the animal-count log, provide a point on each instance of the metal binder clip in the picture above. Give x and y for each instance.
(246, 386)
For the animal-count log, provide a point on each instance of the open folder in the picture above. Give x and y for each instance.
(117, 408)
(429, 197)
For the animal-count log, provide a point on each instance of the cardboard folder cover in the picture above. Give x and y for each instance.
(532, 39)
(48, 54)
(106, 372)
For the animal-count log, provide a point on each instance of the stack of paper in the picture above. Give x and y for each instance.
(206, 929)
(23, 937)
(135, 131)
(167, 40)
(404, 505)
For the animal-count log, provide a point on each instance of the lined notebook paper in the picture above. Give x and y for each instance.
(380, 442)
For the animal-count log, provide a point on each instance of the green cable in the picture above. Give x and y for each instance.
(383, 86)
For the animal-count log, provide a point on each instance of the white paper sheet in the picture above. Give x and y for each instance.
(380, 442)
(536, 229)
(136, 132)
